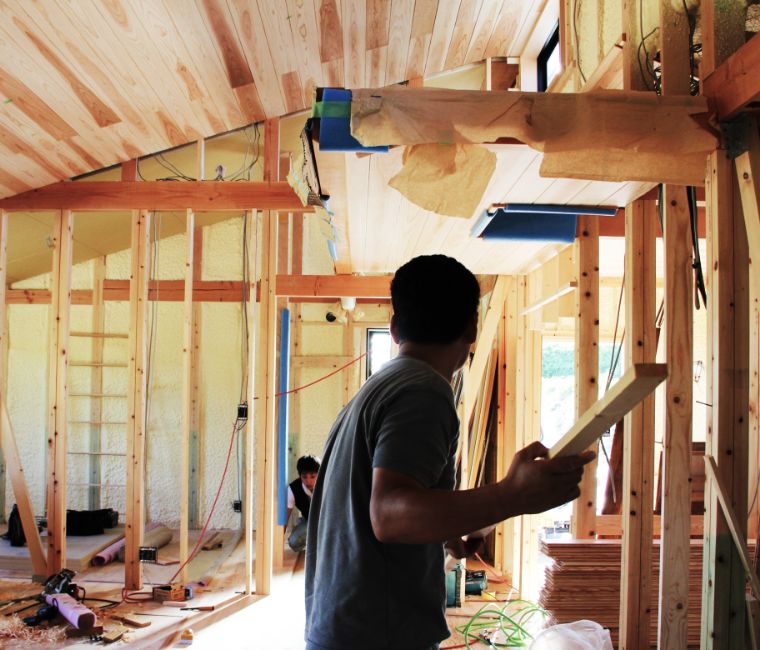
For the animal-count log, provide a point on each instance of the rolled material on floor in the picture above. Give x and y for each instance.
(109, 554)
(74, 612)
(157, 537)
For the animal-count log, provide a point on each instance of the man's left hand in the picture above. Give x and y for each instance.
(462, 548)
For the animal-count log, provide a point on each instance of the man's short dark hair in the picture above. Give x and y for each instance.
(434, 297)
(308, 465)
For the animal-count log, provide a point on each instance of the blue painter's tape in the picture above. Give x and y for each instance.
(335, 132)
(333, 249)
(283, 405)
(560, 209)
(531, 226)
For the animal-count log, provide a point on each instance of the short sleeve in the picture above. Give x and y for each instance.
(291, 498)
(415, 436)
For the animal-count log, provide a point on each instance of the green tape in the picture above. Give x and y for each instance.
(331, 109)
(7, 101)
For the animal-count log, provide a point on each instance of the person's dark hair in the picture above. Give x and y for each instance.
(308, 464)
(434, 297)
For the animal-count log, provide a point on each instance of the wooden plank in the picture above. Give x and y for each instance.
(520, 432)
(748, 173)
(586, 257)
(399, 32)
(676, 509)
(734, 524)
(252, 387)
(736, 83)
(727, 390)
(156, 195)
(283, 267)
(636, 587)
(723, 26)
(609, 73)
(3, 347)
(320, 362)
(57, 391)
(96, 379)
(485, 342)
(332, 176)
(334, 286)
(566, 303)
(613, 525)
(187, 396)
(549, 298)
(637, 382)
(266, 389)
(549, 285)
(129, 170)
(136, 397)
(354, 42)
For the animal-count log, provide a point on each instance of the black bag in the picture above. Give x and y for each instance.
(108, 517)
(15, 529)
(82, 523)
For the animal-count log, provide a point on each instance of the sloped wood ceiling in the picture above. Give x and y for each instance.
(85, 84)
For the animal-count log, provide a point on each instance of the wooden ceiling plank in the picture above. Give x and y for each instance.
(562, 191)
(332, 175)
(378, 23)
(445, 20)
(507, 28)
(217, 17)
(525, 27)
(481, 35)
(383, 207)
(416, 218)
(11, 183)
(354, 42)
(357, 199)
(399, 31)
(249, 29)
(434, 234)
(376, 62)
(423, 23)
(189, 22)
(184, 82)
(305, 34)
(598, 193)
(19, 146)
(530, 184)
(250, 103)
(330, 30)
(333, 74)
(464, 29)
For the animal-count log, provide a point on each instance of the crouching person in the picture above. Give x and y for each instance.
(299, 495)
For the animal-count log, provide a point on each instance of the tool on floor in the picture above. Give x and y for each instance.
(45, 613)
(203, 608)
(460, 582)
(187, 637)
(170, 592)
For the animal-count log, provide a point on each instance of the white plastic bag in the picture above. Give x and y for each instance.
(581, 635)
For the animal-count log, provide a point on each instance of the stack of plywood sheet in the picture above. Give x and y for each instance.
(583, 582)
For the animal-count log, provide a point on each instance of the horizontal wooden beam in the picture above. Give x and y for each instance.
(306, 288)
(204, 196)
(612, 525)
(319, 362)
(638, 382)
(736, 83)
(545, 300)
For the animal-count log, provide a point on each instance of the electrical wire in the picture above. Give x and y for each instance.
(576, 10)
(494, 574)
(514, 626)
(699, 280)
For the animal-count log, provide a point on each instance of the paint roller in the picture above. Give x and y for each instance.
(116, 550)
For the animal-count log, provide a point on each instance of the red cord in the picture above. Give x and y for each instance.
(494, 574)
(461, 645)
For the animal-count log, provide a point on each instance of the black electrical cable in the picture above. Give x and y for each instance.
(699, 280)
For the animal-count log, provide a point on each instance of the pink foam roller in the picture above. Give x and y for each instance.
(109, 554)
(74, 612)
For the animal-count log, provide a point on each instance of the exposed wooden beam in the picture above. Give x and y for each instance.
(586, 256)
(631, 389)
(136, 397)
(545, 300)
(637, 496)
(129, 170)
(609, 73)
(187, 397)
(736, 83)
(748, 173)
(58, 391)
(334, 286)
(218, 196)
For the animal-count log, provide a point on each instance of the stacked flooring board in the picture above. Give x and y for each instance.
(583, 582)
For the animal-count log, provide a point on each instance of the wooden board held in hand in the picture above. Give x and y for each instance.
(639, 381)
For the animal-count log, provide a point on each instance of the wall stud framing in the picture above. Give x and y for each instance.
(638, 456)
(583, 523)
(58, 391)
(195, 412)
(96, 380)
(136, 396)
(187, 396)
(520, 421)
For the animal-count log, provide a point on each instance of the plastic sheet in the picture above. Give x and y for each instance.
(581, 635)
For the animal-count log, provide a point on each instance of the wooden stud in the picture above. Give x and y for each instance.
(728, 391)
(548, 299)
(520, 421)
(297, 348)
(348, 351)
(566, 302)
(193, 517)
(57, 391)
(253, 386)
(136, 396)
(586, 257)
(200, 159)
(676, 461)
(638, 456)
(265, 387)
(129, 170)
(550, 285)
(748, 173)
(187, 397)
(96, 378)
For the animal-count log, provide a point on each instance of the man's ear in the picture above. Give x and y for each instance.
(394, 330)
(471, 333)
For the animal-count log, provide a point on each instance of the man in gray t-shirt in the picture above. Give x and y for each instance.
(384, 505)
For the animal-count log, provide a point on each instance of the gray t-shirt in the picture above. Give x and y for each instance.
(362, 593)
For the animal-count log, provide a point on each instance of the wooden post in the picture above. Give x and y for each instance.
(200, 159)
(583, 523)
(295, 327)
(464, 430)
(96, 380)
(283, 268)
(265, 389)
(728, 391)
(3, 347)
(638, 456)
(520, 429)
(187, 397)
(58, 390)
(195, 412)
(136, 396)
(252, 240)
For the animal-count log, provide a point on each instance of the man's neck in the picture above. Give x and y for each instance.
(444, 359)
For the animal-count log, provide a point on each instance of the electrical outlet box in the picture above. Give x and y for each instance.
(237, 506)
(242, 414)
(148, 554)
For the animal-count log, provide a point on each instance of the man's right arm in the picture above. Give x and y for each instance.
(404, 511)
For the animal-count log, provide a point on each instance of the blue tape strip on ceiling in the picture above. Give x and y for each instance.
(560, 209)
(335, 132)
(531, 226)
